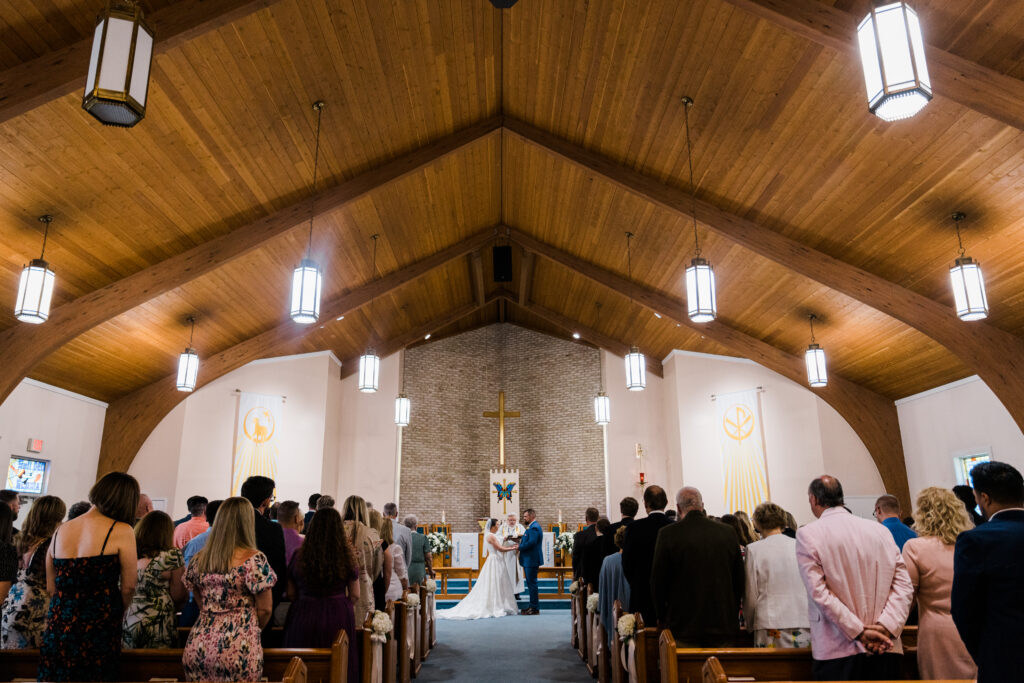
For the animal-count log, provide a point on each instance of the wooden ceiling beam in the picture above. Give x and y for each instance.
(968, 83)
(61, 72)
(476, 277)
(131, 418)
(871, 415)
(25, 345)
(994, 354)
(525, 278)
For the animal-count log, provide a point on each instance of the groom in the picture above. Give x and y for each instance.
(531, 556)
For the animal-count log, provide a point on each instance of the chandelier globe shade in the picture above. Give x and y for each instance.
(188, 369)
(892, 55)
(968, 289)
(636, 370)
(602, 408)
(35, 290)
(117, 85)
(403, 407)
(307, 281)
(369, 372)
(817, 375)
(700, 291)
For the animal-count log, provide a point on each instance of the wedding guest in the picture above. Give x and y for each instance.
(672, 516)
(144, 507)
(8, 554)
(149, 621)
(366, 544)
(196, 524)
(232, 583)
(259, 491)
(403, 535)
(421, 563)
(398, 576)
(791, 525)
(744, 536)
(628, 508)
(940, 518)
(326, 502)
(775, 602)
(312, 509)
(190, 612)
(23, 615)
(78, 509)
(289, 516)
(380, 584)
(988, 562)
(12, 500)
(748, 524)
(858, 587)
(91, 569)
(613, 585)
(697, 577)
(581, 541)
(323, 584)
(638, 553)
(887, 512)
(966, 496)
(188, 506)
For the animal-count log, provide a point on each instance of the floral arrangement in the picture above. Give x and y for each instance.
(412, 599)
(593, 602)
(438, 542)
(564, 542)
(381, 627)
(431, 585)
(574, 587)
(626, 627)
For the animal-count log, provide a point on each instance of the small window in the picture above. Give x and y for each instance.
(965, 463)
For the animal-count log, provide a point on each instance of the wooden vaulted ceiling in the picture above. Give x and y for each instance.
(555, 126)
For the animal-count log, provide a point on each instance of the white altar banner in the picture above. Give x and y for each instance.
(548, 548)
(466, 551)
(259, 420)
(503, 489)
(744, 469)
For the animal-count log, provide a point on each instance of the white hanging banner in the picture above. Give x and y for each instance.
(503, 489)
(744, 468)
(259, 421)
(466, 551)
(548, 548)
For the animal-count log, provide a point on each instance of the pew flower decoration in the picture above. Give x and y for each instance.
(431, 585)
(438, 542)
(626, 627)
(593, 602)
(574, 587)
(564, 542)
(412, 599)
(381, 627)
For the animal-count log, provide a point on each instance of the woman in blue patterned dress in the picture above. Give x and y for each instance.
(231, 582)
(149, 621)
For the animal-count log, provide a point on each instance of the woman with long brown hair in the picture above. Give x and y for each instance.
(323, 584)
(366, 543)
(149, 621)
(231, 581)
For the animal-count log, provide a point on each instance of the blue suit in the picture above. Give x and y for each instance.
(531, 556)
(988, 595)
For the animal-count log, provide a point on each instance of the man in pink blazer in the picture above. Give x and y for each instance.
(859, 590)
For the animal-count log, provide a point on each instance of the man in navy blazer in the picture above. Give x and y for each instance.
(988, 593)
(531, 556)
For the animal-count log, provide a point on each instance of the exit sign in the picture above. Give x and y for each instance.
(35, 446)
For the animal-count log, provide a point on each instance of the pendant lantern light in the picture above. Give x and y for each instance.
(636, 366)
(122, 51)
(188, 362)
(700, 277)
(602, 404)
(369, 362)
(817, 376)
(402, 403)
(892, 54)
(307, 279)
(968, 282)
(35, 289)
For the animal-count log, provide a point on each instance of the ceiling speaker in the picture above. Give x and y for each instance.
(502, 259)
(503, 4)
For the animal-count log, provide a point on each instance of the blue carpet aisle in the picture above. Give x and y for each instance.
(507, 649)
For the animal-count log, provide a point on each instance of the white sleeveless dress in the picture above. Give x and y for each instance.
(492, 596)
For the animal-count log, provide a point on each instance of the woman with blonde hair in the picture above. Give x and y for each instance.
(231, 582)
(940, 518)
(24, 609)
(366, 543)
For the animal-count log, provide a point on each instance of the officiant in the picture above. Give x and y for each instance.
(510, 532)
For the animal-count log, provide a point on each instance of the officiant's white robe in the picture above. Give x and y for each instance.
(511, 560)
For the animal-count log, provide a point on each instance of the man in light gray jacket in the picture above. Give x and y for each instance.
(403, 535)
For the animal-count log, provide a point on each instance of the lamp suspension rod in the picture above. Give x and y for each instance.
(191, 319)
(629, 263)
(47, 219)
(687, 103)
(318, 106)
(600, 359)
(373, 277)
(811, 318)
(959, 216)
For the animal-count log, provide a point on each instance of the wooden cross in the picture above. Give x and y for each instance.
(501, 414)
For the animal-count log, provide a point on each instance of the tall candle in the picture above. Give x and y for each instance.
(559, 515)
(442, 516)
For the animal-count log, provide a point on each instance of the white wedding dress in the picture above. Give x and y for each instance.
(492, 596)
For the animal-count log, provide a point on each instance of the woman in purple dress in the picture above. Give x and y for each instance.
(323, 585)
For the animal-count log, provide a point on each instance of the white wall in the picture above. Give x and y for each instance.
(956, 419)
(804, 437)
(71, 427)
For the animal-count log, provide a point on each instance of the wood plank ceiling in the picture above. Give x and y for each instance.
(781, 137)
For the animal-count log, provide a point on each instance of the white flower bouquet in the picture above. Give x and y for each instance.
(574, 587)
(431, 586)
(626, 627)
(381, 627)
(412, 599)
(593, 602)
(438, 542)
(564, 542)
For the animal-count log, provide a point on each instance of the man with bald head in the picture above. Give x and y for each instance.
(858, 588)
(144, 507)
(697, 577)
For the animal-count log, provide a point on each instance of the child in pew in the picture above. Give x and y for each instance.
(231, 582)
(149, 621)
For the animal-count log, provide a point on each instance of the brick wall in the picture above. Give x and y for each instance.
(449, 446)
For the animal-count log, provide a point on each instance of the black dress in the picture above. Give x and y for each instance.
(380, 588)
(82, 641)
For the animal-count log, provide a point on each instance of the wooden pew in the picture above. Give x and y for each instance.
(403, 667)
(648, 660)
(574, 617)
(391, 648)
(616, 673)
(295, 673)
(713, 672)
(581, 623)
(416, 627)
(424, 639)
(604, 664)
(323, 665)
(686, 665)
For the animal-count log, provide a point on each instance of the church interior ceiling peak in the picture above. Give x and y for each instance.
(449, 120)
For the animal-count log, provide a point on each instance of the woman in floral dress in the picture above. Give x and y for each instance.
(231, 582)
(149, 621)
(24, 610)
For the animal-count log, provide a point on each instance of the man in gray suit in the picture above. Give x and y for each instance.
(403, 535)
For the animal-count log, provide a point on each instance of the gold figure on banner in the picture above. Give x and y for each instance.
(501, 414)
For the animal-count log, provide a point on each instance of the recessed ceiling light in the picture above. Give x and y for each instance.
(341, 317)
(426, 337)
(575, 335)
(658, 316)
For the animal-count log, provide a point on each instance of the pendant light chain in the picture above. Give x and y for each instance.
(373, 278)
(47, 219)
(600, 360)
(957, 218)
(192, 333)
(687, 103)
(810, 319)
(319, 107)
(629, 263)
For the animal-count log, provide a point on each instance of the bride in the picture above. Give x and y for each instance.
(492, 596)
